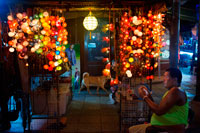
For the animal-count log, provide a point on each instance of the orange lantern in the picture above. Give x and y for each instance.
(106, 72)
(65, 59)
(45, 67)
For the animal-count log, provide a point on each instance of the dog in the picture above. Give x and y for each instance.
(98, 81)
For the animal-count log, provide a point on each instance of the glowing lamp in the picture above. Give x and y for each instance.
(90, 22)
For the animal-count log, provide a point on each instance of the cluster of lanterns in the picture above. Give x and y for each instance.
(42, 34)
(106, 70)
(140, 43)
(20, 33)
(106, 50)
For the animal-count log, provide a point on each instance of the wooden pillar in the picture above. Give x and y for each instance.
(197, 97)
(174, 34)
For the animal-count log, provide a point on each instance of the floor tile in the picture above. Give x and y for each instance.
(110, 119)
(70, 128)
(110, 128)
(89, 128)
(90, 119)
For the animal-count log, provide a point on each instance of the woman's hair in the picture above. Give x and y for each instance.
(175, 73)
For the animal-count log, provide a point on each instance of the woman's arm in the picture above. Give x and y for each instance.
(166, 103)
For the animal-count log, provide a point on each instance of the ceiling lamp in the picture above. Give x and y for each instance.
(90, 22)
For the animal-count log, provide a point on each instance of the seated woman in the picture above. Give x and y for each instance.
(171, 114)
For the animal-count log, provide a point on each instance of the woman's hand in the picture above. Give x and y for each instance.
(143, 91)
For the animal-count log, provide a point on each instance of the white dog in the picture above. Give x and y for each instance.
(98, 81)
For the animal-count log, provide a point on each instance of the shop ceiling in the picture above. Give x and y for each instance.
(188, 12)
(83, 5)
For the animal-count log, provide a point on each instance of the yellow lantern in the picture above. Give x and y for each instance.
(90, 22)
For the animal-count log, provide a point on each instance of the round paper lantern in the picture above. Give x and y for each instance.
(11, 49)
(50, 68)
(46, 67)
(111, 82)
(116, 81)
(56, 63)
(49, 57)
(131, 59)
(108, 66)
(106, 72)
(33, 49)
(90, 22)
(65, 59)
(60, 61)
(58, 68)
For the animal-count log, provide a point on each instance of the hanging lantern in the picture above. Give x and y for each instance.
(90, 22)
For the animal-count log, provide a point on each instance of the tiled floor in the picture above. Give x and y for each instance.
(92, 114)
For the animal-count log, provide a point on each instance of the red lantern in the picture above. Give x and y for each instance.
(105, 59)
(108, 66)
(50, 68)
(116, 81)
(49, 57)
(111, 27)
(111, 82)
(103, 50)
(106, 39)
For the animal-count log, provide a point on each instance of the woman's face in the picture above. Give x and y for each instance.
(168, 81)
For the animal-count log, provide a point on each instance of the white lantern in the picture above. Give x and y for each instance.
(19, 15)
(26, 57)
(90, 22)
(134, 38)
(10, 17)
(11, 49)
(11, 34)
(57, 57)
(139, 33)
(45, 14)
(56, 63)
(33, 49)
